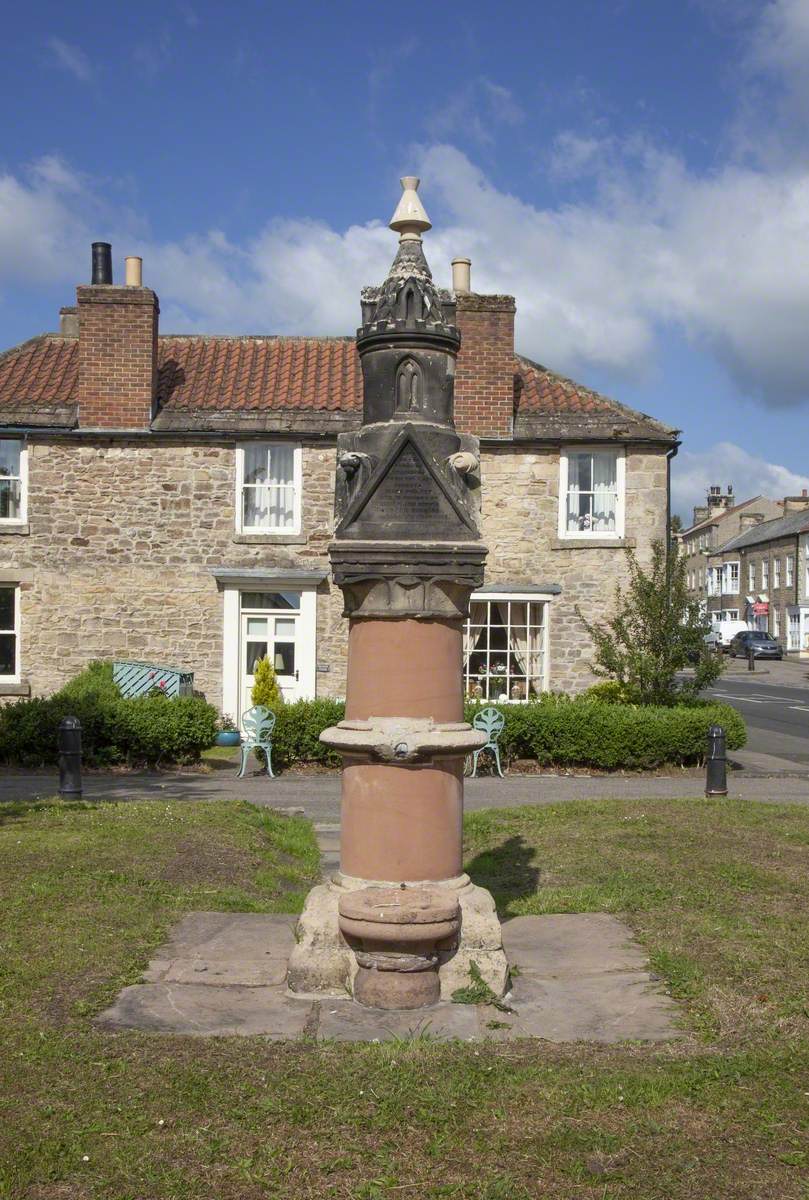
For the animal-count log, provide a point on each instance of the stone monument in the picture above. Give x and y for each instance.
(400, 923)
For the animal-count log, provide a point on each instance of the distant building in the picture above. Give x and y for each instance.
(715, 523)
(762, 575)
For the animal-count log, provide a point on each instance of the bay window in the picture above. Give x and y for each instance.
(505, 647)
(268, 488)
(9, 632)
(13, 479)
(591, 493)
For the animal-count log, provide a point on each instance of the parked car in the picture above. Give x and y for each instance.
(723, 632)
(764, 646)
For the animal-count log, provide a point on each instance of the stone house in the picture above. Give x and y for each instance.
(170, 499)
(714, 523)
(764, 573)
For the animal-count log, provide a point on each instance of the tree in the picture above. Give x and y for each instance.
(654, 634)
(265, 685)
(676, 524)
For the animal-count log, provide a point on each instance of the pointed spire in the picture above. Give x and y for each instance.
(410, 220)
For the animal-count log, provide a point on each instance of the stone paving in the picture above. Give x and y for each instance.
(580, 977)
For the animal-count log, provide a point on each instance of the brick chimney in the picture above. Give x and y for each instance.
(117, 350)
(484, 376)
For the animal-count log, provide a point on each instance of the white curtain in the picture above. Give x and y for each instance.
(605, 490)
(269, 486)
(573, 461)
(518, 635)
(477, 618)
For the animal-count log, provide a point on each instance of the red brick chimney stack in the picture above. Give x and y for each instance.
(484, 377)
(117, 351)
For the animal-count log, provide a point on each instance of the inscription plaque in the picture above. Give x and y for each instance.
(408, 502)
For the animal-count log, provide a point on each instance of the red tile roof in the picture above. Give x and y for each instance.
(39, 375)
(249, 375)
(259, 372)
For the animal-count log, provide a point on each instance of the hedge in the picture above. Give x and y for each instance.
(146, 730)
(586, 732)
(555, 731)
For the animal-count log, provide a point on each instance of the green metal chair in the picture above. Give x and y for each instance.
(257, 725)
(491, 722)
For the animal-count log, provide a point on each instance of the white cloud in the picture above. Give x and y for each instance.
(71, 58)
(692, 473)
(475, 111)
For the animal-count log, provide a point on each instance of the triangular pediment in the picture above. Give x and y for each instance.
(406, 498)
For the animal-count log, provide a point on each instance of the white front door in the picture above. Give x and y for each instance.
(279, 624)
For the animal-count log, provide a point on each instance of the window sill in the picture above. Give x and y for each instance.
(12, 688)
(270, 539)
(593, 543)
(21, 529)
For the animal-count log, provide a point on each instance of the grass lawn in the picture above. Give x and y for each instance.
(717, 893)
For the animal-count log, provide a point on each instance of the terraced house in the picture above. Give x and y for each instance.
(169, 499)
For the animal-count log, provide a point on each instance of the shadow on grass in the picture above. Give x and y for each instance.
(16, 810)
(508, 871)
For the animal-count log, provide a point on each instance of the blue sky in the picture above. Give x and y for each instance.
(636, 173)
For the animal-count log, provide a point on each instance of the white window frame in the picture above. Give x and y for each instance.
(620, 499)
(751, 577)
(17, 676)
(765, 574)
(776, 573)
(22, 519)
(789, 571)
(544, 598)
(297, 482)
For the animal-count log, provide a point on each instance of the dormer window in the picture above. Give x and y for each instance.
(13, 480)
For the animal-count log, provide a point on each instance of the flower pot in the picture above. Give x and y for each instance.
(228, 737)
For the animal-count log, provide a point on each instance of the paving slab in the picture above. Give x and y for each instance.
(226, 949)
(580, 977)
(563, 945)
(345, 1021)
(205, 1011)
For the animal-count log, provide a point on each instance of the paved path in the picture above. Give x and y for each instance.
(319, 795)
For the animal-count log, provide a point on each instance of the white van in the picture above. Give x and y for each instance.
(722, 632)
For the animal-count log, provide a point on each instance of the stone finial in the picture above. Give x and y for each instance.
(410, 220)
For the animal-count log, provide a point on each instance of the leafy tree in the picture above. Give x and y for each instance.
(676, 523)
(655, 632)
(265, 686)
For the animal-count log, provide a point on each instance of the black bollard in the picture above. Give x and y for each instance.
(70, 757)
(716, 775)
(751, 658)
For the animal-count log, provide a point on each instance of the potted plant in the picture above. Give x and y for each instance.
(228, 733)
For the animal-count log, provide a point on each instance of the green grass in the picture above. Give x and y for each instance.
(716, 892)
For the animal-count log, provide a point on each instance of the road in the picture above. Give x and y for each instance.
(775, 706)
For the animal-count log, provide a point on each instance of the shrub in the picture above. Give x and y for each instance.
(265, 685)
(558, 731)
(610, 691)
(142, 730)
(298, 727)
(655, 631)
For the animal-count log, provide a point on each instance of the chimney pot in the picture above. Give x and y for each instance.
(134, 271)
(461, 275)
(102, 263)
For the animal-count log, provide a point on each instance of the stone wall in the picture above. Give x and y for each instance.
(122, 540)
(123, 536)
